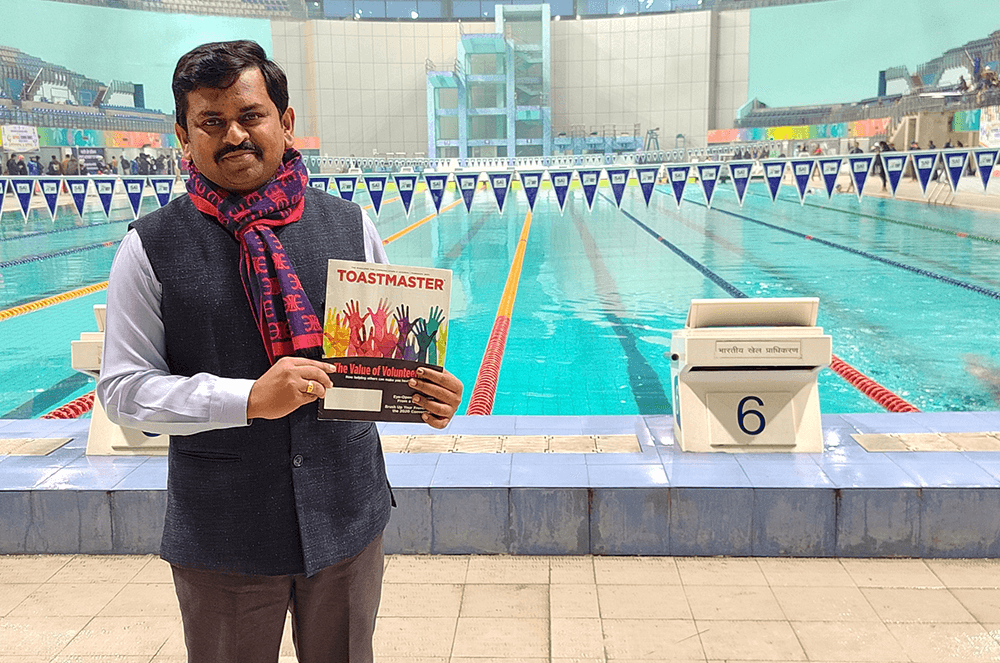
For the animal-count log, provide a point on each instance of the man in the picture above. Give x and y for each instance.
(20, 168)
(268, 508)
(54, 168)
(34, 166)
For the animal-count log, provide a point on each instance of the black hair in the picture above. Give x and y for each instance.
(217, 65)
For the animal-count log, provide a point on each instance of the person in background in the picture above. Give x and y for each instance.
(269, 509)
(34, 167)
(54, 168)
(125, 165)
(113, 166)
(20, 167)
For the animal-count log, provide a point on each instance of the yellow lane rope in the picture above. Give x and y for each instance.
(49, 301)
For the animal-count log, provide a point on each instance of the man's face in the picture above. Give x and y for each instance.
(235, 136)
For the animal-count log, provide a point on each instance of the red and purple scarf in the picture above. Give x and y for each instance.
(288, 325)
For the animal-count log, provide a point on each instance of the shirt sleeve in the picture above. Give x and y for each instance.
(135, 386)
(374, 249)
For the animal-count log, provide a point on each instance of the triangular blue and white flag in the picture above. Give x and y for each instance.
(436, 184)
(531, 181)
(467, 184)
(954, 163)
(739, 172)
(50, 191)
(589, 180)
(105, 191)
(163, 187)
(406, 184)
(22, 189)
(708, 175)
(321, 183)
(346, 184)
(647, 181)
(860, 165)
(78, 192)
(894, 163)
(376, 187)
(774, 170)
(985, 160)
(802, 171)
(560, 184)
(618, 177)
(924, 162)
(133, 190)
(678, 177)
(829, 169)
(3, 188)
(501, 185)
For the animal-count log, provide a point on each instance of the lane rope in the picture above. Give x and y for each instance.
(417, 224)
(49, 301)
(73, 409)
(56, 254)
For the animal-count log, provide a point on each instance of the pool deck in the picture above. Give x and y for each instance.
(844, 502)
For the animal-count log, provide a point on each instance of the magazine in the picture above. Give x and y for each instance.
(381, 323)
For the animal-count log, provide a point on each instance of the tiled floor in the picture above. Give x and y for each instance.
(487, 609)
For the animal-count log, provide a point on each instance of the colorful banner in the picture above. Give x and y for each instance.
(467, 183)
(989, 126)
(50, 191)
(802, 170)
(894, 164)
(560, 184)
(405, 185)
(829, 169)
(967, 120)
(859, 129)
(647, 181)
(708, 175)
(924, 162)
(860, 165)
(985, 160)
(78, 191)
(618, 177)
(678, 177)
(346, 184)
(954, 163)
(589, 180)
(163, 187)
(739, 172)
(133, 190)
(501, 184)
(774, 170)
(436, 184)
(22, 189)
(531, 182)
(19, 138)
(321, 183)
(376, 187)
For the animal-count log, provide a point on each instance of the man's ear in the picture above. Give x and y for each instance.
(182, 136)
(288, 125)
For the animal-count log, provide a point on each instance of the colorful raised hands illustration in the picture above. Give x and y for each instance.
(356, 322)
(336, 335)
(405, 326)
(379, 317)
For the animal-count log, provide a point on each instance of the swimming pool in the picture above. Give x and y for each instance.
(906, 291)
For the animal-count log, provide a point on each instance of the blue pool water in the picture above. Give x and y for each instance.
(905, 298)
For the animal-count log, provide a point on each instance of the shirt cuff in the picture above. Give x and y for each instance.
(229, 402)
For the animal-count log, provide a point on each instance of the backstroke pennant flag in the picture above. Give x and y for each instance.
(985, 159)
(162, 187)
(436, 184)
(954, 163)
(739, 172)
(618, 178)
(467, 184)
(678, 177)
(346, 184)
(78, 191)
(829, 169)
(647, 181)
(589, 180)
(376, 187)
(321, 183)
(501, 185)
(774, 170)
(50, 191)
(924, 162)
(133, 190)
(802, 171)
(560, 184)
(860, 165)
(3, 190)
(22, 189)
(406, 183)
(531, 181)
(708, 175)
(894, 164)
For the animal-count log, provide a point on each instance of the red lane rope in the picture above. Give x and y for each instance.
(483, 393)
(73, 409)
(870, 388)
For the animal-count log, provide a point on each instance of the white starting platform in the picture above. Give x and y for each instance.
(106, 438)
(744, 375)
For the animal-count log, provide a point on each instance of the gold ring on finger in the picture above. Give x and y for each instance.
(309, 389)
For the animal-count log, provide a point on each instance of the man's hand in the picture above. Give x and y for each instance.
(439, 392)
(289, 384)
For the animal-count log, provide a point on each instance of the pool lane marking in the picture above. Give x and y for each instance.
(485, 387)
(417, 224)
(647, 389)
(866, 385)
(55, 254)
(49, 301)
(36, 233)
(864, 254)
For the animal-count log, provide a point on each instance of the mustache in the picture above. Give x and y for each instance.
(245, 146)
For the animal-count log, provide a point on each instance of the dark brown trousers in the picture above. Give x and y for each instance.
(230, 618)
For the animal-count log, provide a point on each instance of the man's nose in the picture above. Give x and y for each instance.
(236, 134)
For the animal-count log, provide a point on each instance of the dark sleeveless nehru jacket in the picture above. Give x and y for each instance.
(277, 497)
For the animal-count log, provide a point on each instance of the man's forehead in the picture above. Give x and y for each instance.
(248, 90)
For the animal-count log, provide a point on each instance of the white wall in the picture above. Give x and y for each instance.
(361, 85)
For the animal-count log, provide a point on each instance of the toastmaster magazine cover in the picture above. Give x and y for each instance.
(381, 323)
